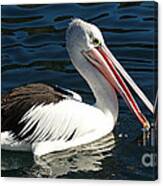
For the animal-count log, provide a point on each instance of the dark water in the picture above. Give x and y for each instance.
(33, 50)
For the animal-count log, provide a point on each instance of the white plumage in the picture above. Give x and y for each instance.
(60, 121)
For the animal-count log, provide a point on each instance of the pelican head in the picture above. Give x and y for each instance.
(88, 51)
(83, 36)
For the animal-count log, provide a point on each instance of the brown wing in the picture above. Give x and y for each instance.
(20, 100)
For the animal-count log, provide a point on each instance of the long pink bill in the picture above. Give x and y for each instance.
(102, 59)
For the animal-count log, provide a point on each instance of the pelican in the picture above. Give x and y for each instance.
(46, 119)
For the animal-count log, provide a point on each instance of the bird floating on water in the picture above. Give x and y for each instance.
(45, 119)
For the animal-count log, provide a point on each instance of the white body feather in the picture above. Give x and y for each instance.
(59, 121)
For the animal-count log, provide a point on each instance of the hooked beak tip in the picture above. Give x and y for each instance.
(146, 126)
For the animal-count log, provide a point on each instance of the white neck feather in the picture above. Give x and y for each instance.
(106, 98)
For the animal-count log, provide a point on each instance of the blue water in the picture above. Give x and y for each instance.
(33, 50)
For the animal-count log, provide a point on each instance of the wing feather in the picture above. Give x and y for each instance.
(37, 114)
(21, 101)
(62, 121)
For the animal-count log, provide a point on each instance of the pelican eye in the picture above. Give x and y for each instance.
(96, 42)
